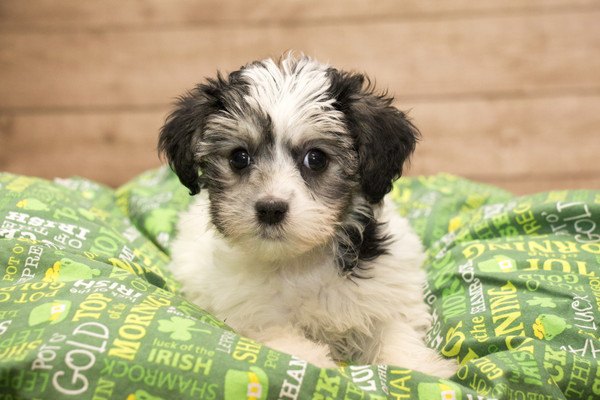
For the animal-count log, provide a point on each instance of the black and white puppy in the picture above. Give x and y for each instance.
(292, 242)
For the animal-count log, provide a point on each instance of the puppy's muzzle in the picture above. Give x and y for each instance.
(271, 211)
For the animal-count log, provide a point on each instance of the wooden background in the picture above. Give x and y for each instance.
(504, 91)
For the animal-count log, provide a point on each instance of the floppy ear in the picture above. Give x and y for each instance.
(383, 135)
(184, 127)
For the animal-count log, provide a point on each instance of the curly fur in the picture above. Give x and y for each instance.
(338, 278)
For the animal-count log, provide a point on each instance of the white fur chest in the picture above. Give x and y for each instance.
(251, 294)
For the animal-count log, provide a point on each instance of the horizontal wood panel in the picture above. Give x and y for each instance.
(509, 137)
(547, 142)
(522, 185)
(69, 14)
(491, 56)
(504, 91)
(107, 147)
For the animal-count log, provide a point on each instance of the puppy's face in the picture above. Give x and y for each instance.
(292, 153)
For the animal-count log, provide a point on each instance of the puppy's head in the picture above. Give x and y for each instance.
(293, 154)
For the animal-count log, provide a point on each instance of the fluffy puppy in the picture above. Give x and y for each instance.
(291, 241)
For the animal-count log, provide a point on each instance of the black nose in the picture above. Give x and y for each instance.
(271, 211)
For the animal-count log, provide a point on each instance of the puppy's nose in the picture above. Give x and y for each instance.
(271, 211)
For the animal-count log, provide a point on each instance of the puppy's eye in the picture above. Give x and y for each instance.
(239, 159)
(315, 160)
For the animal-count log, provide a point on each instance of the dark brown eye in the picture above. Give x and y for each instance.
(239, 159)
(315, 160)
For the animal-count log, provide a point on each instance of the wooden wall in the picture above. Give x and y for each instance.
(504, 91)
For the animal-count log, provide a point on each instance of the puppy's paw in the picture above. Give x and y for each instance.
(440, 367)
(318, 357)
(314, 353)
(294, 343)
(423, 359)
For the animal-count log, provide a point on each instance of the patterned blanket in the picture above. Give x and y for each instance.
(89, 310)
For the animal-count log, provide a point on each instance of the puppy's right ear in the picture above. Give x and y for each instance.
(183, 129)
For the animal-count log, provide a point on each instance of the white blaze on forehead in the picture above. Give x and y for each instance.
(295, 96)
(243, 127)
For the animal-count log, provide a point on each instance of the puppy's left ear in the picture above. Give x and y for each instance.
(384, 137)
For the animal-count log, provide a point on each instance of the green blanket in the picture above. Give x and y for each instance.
(89, 310)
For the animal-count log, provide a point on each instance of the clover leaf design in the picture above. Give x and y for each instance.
(542, 302)
(179, 328)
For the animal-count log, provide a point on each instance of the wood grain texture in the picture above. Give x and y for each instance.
(515, 137)
(527, 184)
(132, 14)
(505, 92)
(426, 59)
(503, 141)
(108, 147)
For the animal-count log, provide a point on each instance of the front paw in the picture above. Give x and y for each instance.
(319, 357)
(303, 348)
(423, 359)
(440, 367)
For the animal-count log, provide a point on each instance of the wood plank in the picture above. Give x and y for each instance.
(76, 14)
(110, 148)
(548, 142)
(509, 137)
(522, 185)
(491, 56)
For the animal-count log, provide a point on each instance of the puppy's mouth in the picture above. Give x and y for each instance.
(271, 233)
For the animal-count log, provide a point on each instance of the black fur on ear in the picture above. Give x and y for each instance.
(384, 137)
(184, 126)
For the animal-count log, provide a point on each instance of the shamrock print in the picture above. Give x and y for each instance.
(179, 328)
(542, 302)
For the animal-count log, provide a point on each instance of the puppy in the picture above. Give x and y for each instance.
(292, 242)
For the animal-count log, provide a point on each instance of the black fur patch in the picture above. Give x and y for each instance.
(186, 123)
(384, 137)
(359, 242)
